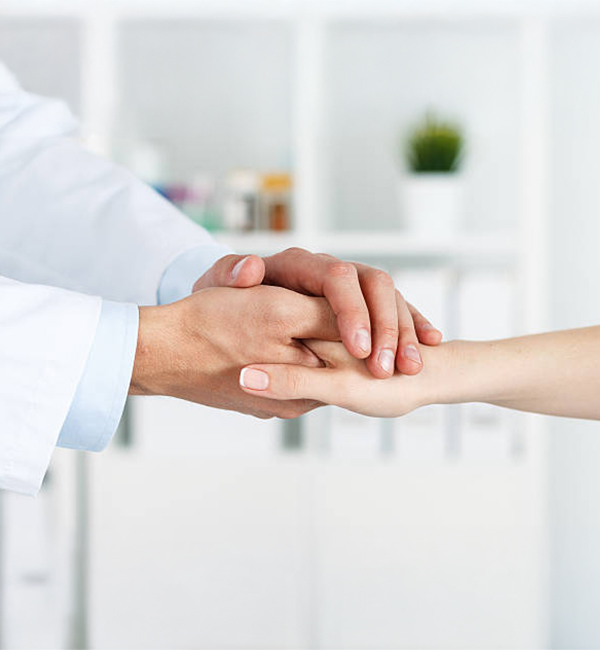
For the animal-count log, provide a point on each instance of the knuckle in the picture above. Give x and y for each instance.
(294, 381)
(295, 250)
(341, 270)
(326, 257)
(406, 331)
(276, 312)
(388, 332)
(354, 315)
(382, 278)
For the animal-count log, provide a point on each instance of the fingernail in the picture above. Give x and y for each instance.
(362, 339)
(411, 353)
(235, 271)
(386, 360)
(254, 379)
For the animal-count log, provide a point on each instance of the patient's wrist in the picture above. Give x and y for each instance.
(463, 371)
(444, 374)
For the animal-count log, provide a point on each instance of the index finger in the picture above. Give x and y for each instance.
(345, 295)
(323, 275)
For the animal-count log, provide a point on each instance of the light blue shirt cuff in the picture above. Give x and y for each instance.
(180, 276)
(100, 398)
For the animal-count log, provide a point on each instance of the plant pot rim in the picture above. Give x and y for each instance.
(441, 178)
(455, 174)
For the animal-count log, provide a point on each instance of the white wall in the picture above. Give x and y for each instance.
(45, 54)
(575, 301)
(382, 76)
(214, 96)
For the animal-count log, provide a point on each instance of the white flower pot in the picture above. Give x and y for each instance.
(432, 203)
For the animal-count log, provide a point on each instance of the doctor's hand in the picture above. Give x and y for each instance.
(195, 348)
(374, 320)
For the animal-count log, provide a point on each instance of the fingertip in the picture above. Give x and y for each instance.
(408, 360)
(375, 368)
(433, 337)
(360, 343)
(428, 334)
(254, 379)
(247, 272)
(408, 367)
(382, 363)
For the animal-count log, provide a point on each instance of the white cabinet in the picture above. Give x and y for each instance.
(202, 554)
(426, 557)
(294, 550)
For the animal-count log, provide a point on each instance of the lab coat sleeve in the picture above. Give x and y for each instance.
(46, 335)
(73, 219)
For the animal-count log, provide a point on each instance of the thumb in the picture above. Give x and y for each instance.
(284, 382)
(239, 271)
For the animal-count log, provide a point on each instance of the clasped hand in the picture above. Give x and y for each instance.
(250, 310)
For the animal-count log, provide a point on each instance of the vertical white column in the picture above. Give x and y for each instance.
(309, 220)
(99, 103)
(534, 174)
(533, 267)
(306, 120)
(98, 78)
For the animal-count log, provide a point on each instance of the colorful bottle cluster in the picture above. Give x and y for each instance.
(242, 200)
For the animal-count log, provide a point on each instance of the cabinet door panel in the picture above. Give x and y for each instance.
(195, 551)
(435, 557)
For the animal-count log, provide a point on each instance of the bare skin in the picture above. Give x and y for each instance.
(374, 320)
(194, 348)
(556, 373)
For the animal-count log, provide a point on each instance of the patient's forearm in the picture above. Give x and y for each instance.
(556, 373)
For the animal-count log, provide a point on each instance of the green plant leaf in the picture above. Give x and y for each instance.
(434, 146)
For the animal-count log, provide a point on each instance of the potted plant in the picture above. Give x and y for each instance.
(432, 188)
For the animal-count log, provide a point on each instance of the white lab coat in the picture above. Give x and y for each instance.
(71, 220)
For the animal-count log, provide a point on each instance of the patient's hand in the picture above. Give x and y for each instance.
(555, 373)
(342, 381)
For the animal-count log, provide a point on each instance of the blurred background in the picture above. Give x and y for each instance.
(454, 143)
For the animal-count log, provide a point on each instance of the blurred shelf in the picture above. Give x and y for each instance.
(385, 244)
(295, 9)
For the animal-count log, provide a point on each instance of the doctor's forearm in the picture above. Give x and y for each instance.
(556, 373)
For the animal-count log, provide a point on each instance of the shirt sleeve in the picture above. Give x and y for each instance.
(180, 276)
(98, 404)
(100, 398)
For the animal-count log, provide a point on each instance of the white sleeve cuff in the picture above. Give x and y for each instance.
(102, 391)
(180, 276)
